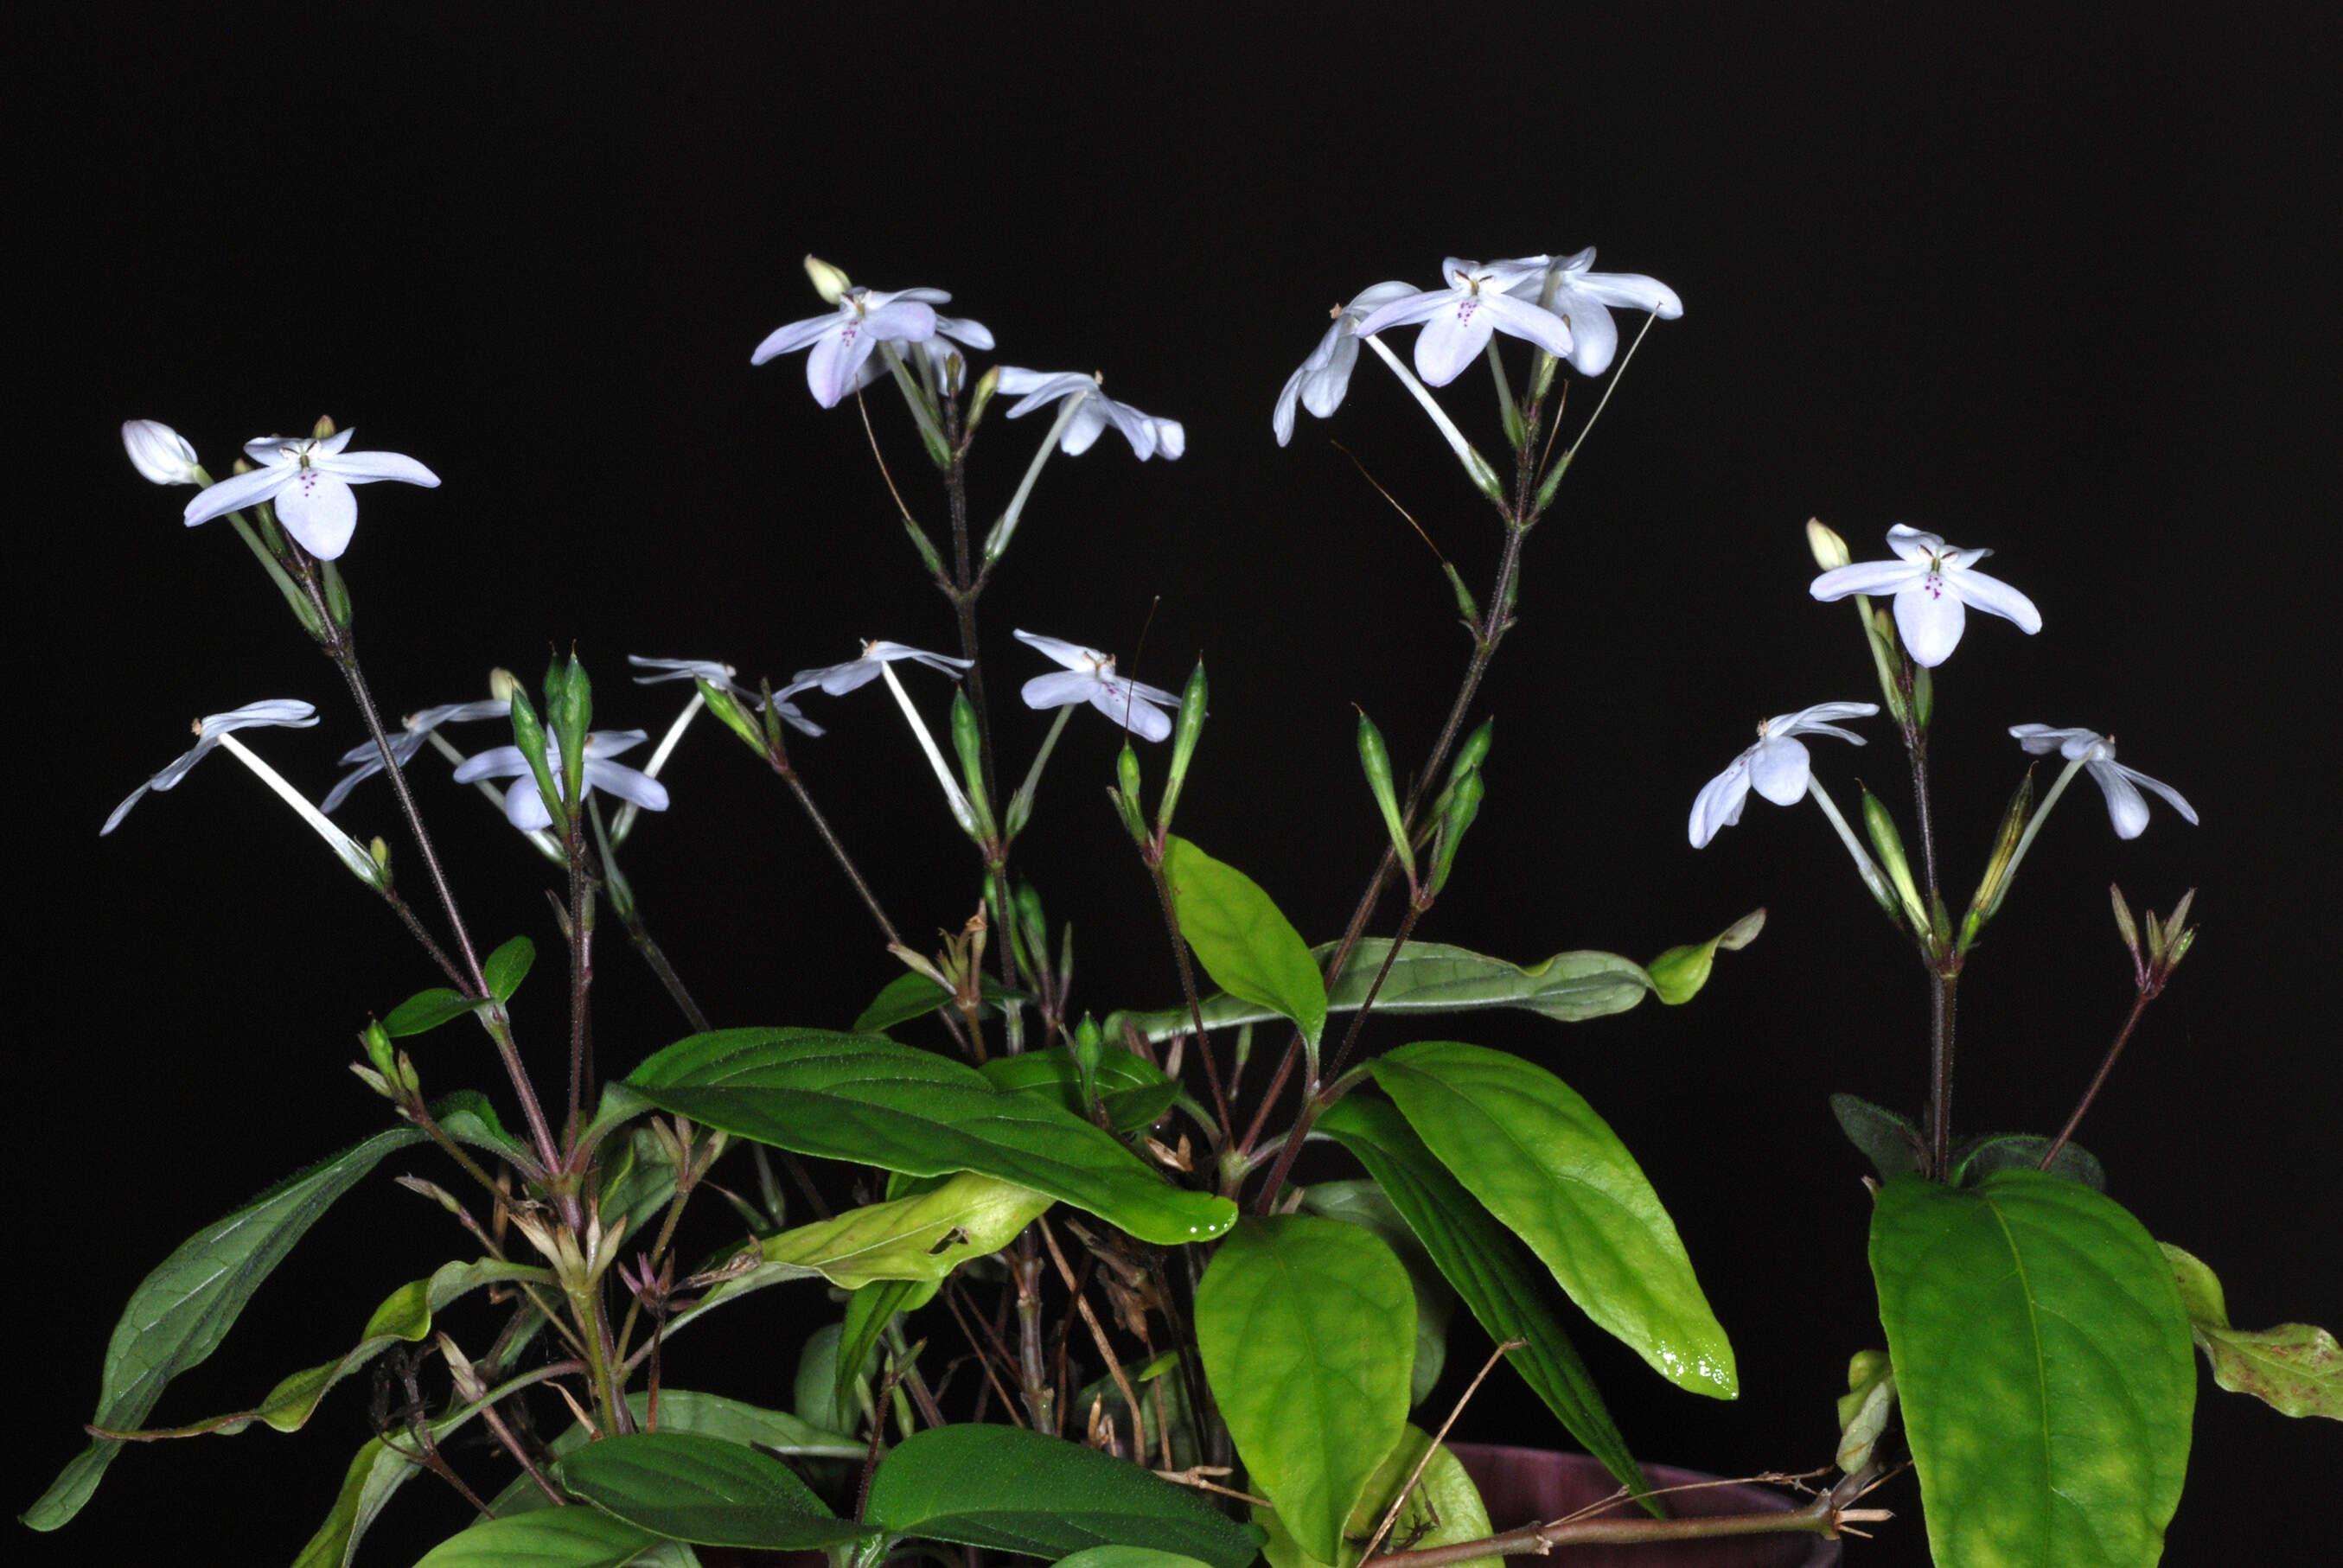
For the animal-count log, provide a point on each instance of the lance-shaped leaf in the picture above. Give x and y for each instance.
(1006, 1489)
(403, 1317)
(1133, 1090)
(1436, 977)
(1539, 1159)
(703, 1489)
(574, 1537)
(2041, 1356)
(924, 1237)
(866, 1099)
(180, 1313)
(1249, 947)
(2295, 1369)
(867, 1312)
(1495, 1275)
(1306, 1328)
(1443, 1510)
(709, 1415)
(912, 995)
(427, 1010)
(506, 968)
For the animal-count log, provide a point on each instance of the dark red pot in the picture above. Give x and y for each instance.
(1519, 1484)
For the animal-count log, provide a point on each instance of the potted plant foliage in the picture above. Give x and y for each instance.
(1099, 1280)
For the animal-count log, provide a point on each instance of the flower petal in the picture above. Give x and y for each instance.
(1170, 437)
(235, 493)
(1519, 318)
(365, 468)
(525, 807)
(2167, 790)
(905, 321)
(1718, 804)
(367, 768)
(627, 784)
(789, 339)
(1451, 338)
(1126, 708)
(1779, 768)
(1593, 335)
(1929, 618)
(1282, 421)
(1633, 290)
(1073, 655)
(1915, 545)
(1058, 688)
(1865, 577)
(1082, 430)
(496, 762)
(318, 509)
(831, 368)
(2125, 810)
(1995, 597)
(1406, 311)
(114, 819)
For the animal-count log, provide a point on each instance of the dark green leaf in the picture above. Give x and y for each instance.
(702, 1490)
(427, 1009)
(1891, 1143)
(1249, 947)
(707, 1414)
(2041, 1355)
(1498, 1279)
(507, 966)
(1133, 1090)
(550, 1538)
(180, 1313)
(866, 1099)
(1127, 1557)
(1364, 1204)
(1552, 1171)
(1306, 1328)
(1981, 1157)
(1009, 1490)
(2296, 1369)
(867, 1312)
(912, 995)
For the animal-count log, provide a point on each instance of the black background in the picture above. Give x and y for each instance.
(2058, 286)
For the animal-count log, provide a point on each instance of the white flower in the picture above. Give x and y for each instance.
(2096, 753)
(160, 452)
(1777, 766)
(1089, 677)
(1090, 413)
(719, 675)
(842, 340)
(1325, 376)
(1931, 584)
(1458, 320)
(310, 482)
(838, 680)
(1583, 298)
(364, 761)
(525, 807)
(953, 336)
(282, 711)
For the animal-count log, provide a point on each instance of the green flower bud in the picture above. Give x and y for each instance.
(720, 703)
(1889, 846)
(569, 704)
(1463, 805)
(1375, 758)
(1183, 744)
(529, 735)
(970, 747)
(829, 282)
(378, 1049)
(981, 398)
(1126, 773)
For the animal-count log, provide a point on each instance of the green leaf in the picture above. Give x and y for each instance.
(703, 1489)
(427, 1010)
(2295, 1369)
(866, 1099)
(867, 1312)
(821, 1375)
(1127, 1557)
(403, 1317)
(2041, 1356)
(1306, 1327)
(1364, 1204)
(1436, 977)
(508, 966)
(1890, 1143)
(1133, 1090)
(550, 1538)
(1443, 1510)
(1864, 1409)
(1493, 1272)
(924, 1237)
(1981, 1157)
(912, 995)
(1552, 1171)
(1250, 949)
(180, 1313)
(1009, 1490)
(638, 1185)
(1678, 973)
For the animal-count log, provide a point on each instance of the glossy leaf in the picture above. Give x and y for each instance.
(577, 1537)
(2295, 1369)
(912, 995)
(1127, 1557)
(1009, 1490)
(180, 1313)
(1133, 1090)
(427, 1010)
(1889, 1142)
(403, 1317)
(707, 1414)
(1436, 978)
(867, 1313)
(866, 1099)
(1363, 1204)
(703, 1489)
(1306, 1328)
(506, 968)
(1552, 1171)
(2041, 1356)
(1497, 1278)
(1443, 1510)
(1249, 947)
(924, 1237)
(1981, 1157)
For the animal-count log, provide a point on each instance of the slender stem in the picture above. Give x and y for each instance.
(1097, 1337)
(1865, 866)
(2099, 1079)
(1940, 1073)
(581, 970)
(514, 1446)
(2033, 823)
(416, 928)
(655, 956)
(837, 849)
(1915, 746)
(1823, 1517)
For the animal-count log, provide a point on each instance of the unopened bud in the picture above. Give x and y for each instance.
(1830, 550)
(1889, 845)
(379, 853)
(160, 454)
(1463, 805)
(828, 281)
(323, 429)
(1184, 743)
(501, 682)
(981, 398)
(1374, 758)
(2124, 926)
(378, 1049)
(720, 703)
(1126, 794)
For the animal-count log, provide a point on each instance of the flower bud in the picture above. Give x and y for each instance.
(529, 735)
(1463, 805)
(981, 398)
(1995, 883)
(501, 682)
(828, 281)
(2124, 926)
(160, 454)
(1375, 758)
(1184, 743)
(720, 703)
(1088, 1047)
(379, 853)
(1889, 845)
(1830, 550)
(1466, 605)
(569, 704)
(970, 747)
(380, 1049)
(1126, 794)
(323, 429)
